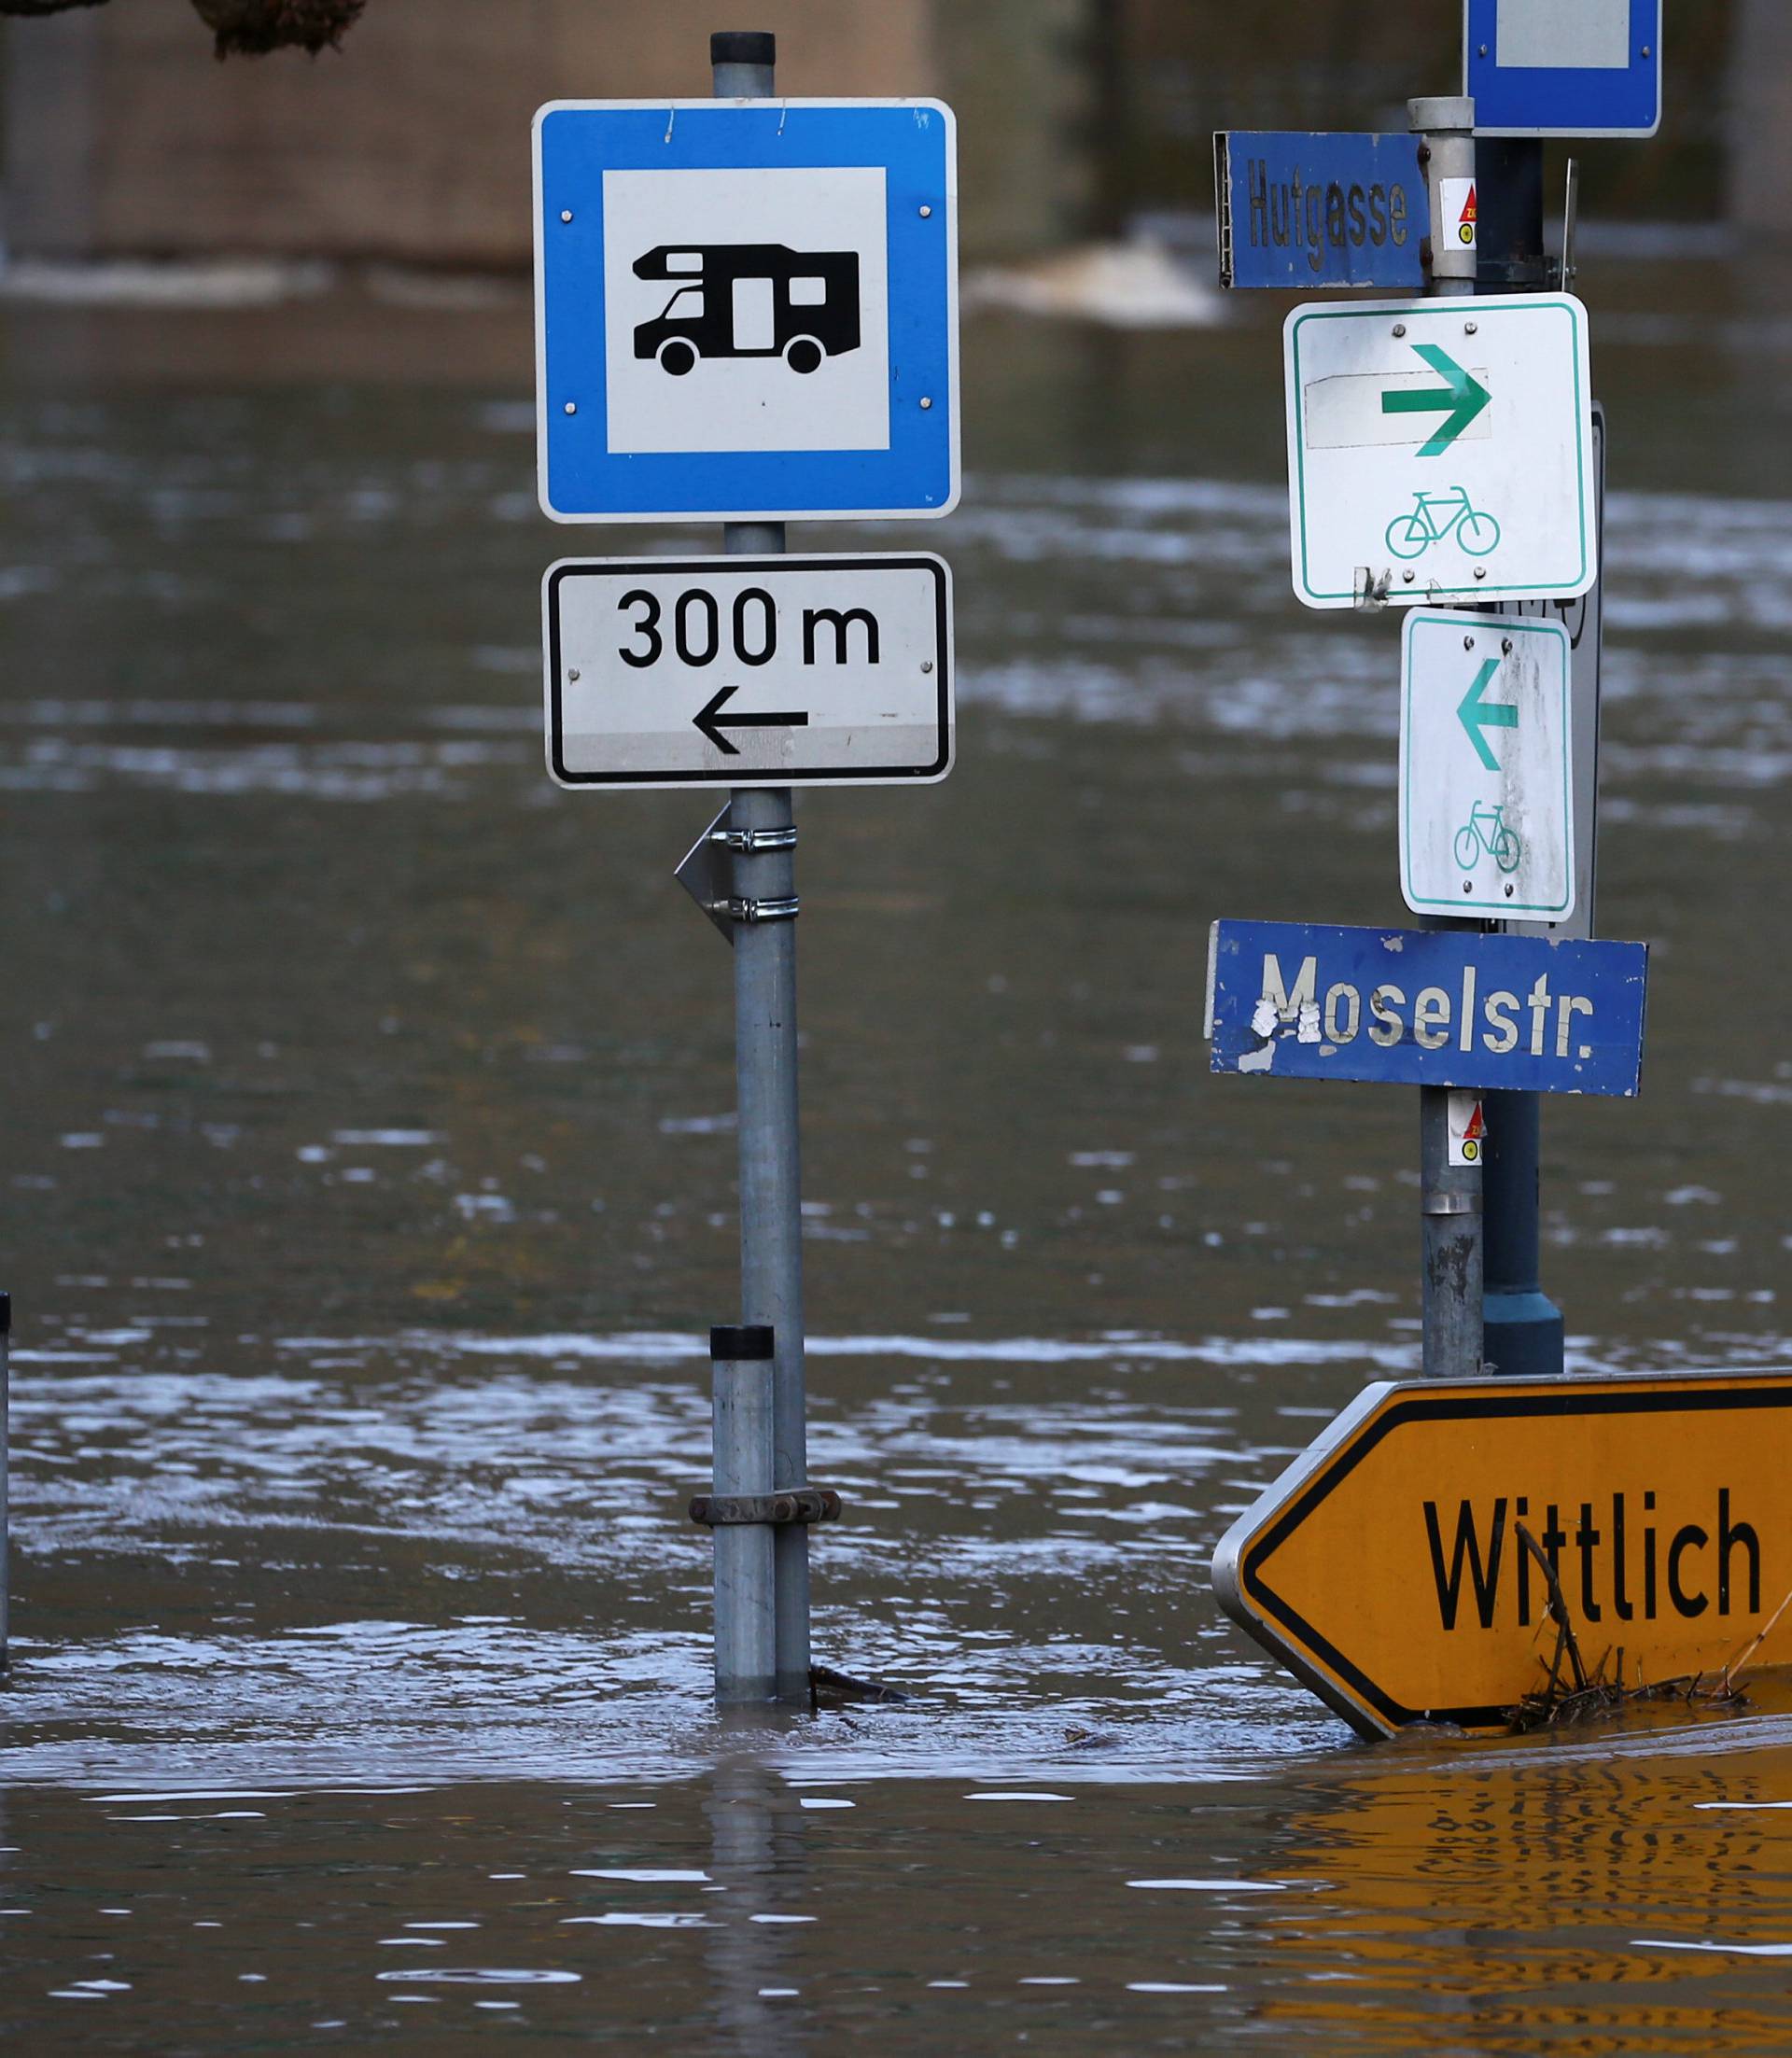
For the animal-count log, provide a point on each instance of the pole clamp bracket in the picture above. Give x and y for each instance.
(1450, 1204)
(737, 908)
(791, 1504)
(752, 840)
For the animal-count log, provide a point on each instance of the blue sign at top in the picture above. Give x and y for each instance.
(745, 310)
(1310, 210)
(1543, 67)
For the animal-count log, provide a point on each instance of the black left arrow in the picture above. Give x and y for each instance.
(709, 719)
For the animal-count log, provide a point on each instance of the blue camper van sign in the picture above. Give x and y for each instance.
(745, 310)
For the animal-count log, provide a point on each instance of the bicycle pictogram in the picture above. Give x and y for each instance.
(1433, 519)
(1486, 830)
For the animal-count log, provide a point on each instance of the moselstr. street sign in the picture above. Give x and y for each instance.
(1440, 451)
(1425, 1007)
(1385, 1568)
(1300, 209)
(1487, 823)
(748, 671)
(746, 309)
(1563, 67)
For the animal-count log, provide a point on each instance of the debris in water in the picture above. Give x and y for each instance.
(829, 1688)
(1585, 1696)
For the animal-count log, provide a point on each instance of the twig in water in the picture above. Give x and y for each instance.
(1558, 1611)
(1754, 1644)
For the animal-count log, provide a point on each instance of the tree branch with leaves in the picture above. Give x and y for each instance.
(244, 28)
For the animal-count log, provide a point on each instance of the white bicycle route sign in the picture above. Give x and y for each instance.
(1440, 451)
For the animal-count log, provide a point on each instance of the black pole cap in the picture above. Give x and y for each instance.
(5, 1314)
(743, 47)
(750, 1339)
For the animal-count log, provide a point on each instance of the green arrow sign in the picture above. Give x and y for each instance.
(1461, 399)
(1477, 715)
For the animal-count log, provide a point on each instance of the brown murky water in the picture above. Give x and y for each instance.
(366, 1190)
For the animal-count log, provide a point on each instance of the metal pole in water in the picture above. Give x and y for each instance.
(741, 1362)
(1523, 1328)
(1522, 1325)
(6, 1407)
(1449, 1195)
(771, 1250)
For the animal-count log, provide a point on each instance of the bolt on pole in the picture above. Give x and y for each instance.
(743, 63)
(1449, 1195)
(741, 1362)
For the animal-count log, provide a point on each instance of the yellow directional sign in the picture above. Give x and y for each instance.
(1385, 1567)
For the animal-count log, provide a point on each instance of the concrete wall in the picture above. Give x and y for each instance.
(123, 136)
(1761, 119)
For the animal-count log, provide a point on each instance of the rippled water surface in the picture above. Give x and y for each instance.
(366, 1192)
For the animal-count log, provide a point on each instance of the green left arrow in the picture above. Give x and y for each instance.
(1477, 715)
(1462, 397)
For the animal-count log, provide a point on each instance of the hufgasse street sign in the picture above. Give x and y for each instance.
(1563, 67)
(1440, 451)
(745, 310)
(741, 671)
(1386, 1569)
(1299, 209)
(1425, 1007)
(1487, 823)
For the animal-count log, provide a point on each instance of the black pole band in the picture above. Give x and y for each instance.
(741, 1340)
(743, 47)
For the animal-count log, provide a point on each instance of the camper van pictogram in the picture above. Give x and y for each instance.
(751, 300)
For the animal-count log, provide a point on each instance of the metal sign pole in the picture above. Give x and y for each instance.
(5, 1405)
(763, 836)
(1449, 1195)
(741, 1362)
(1523, 1328)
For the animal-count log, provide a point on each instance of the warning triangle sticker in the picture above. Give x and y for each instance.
(1476, 1127)
(1468, 212)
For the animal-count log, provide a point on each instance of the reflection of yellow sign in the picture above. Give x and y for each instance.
(1385, 1566)
(1613, 1894)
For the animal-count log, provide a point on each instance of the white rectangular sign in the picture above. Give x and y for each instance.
(1487, 821)
(1440, 451)
(1544, 35)
(748, 671)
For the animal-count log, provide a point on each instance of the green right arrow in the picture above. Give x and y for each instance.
(1463, 399)
(1477, 715)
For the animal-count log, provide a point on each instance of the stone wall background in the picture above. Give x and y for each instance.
(121, 136)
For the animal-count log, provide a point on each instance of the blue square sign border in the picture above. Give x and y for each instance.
(1569, 101)
(579, 478)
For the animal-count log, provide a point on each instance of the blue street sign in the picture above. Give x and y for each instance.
(745, 310)
(1315, 210)
(1539, 67)
(1450, 1007)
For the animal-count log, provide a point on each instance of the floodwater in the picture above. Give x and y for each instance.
(366, 1191)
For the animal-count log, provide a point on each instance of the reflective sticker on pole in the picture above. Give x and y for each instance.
(1458, 196)
(1468, 1128)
